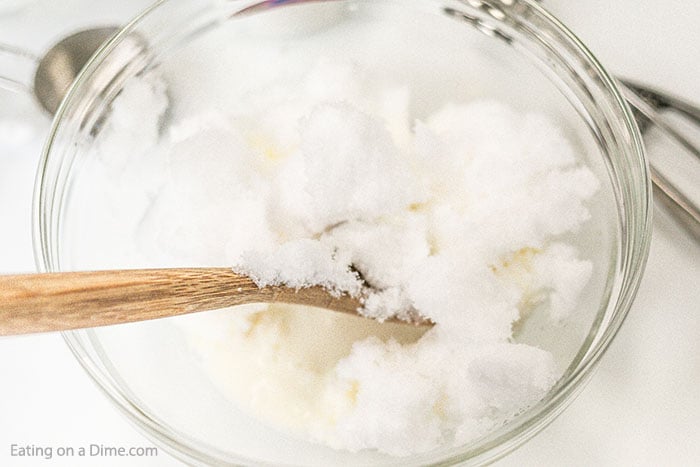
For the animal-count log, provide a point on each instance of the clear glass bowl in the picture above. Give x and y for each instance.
(507, 49)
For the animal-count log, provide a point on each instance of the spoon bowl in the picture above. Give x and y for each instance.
(61, 64)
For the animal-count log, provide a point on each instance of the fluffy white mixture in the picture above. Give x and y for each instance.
(326, 179)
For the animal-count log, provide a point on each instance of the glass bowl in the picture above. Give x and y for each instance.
(511, 50)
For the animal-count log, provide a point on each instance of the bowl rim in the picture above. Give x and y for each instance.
(542, 414)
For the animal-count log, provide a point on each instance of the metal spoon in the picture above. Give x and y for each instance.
(61, 64)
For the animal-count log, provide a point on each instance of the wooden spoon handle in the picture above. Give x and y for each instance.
(62, 301)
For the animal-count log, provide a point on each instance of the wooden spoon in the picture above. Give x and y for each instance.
(71, 300)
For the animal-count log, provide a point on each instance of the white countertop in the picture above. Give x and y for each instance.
(640, 408)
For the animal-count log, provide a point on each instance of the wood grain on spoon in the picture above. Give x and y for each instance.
(71, 300)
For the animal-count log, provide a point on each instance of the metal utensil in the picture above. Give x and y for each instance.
(59, 67)
(650, 107)
(54, 72)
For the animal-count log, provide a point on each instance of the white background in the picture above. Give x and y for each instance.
(641, 408)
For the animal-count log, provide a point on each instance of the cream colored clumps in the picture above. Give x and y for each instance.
(461, 215)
